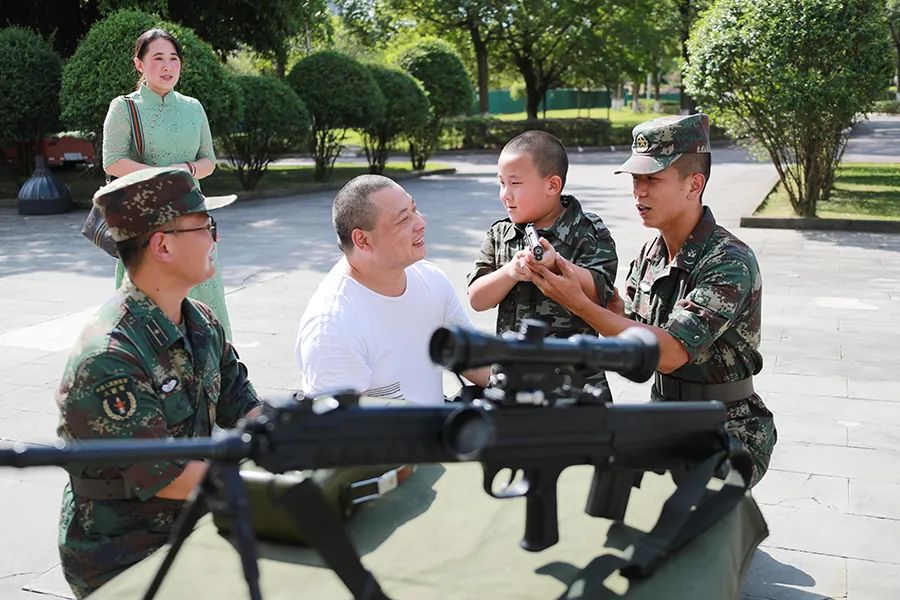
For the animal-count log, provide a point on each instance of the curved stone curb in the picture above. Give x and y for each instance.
(331, 185)
(806, 223)
(284, 192)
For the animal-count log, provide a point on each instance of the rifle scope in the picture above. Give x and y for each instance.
(633, 354)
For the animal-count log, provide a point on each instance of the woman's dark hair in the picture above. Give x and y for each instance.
(144, 40)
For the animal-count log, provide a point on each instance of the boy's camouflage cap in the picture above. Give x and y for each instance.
(660, 142)
(147, 199)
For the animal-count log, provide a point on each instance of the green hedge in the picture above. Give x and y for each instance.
(486, 133)
(479, 133)
(887, 106)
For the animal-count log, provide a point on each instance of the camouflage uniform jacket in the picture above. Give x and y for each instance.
(710, 299)
(576, 235)
(132, 375)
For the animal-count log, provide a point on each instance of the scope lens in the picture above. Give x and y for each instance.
(468, 432)
(442, 347)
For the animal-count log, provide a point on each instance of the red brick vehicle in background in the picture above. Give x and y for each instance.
(59, 150)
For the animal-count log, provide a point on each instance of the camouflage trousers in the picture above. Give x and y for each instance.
(752, 424)
(100, 539)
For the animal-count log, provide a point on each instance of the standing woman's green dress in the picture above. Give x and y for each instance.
(176, 130)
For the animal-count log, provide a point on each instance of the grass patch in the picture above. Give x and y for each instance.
(863, 191)
(292, 179)
(618, 118)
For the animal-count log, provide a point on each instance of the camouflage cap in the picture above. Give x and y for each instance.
(147, 199)
(660, 142)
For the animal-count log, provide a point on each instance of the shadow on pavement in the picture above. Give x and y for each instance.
(769, 578)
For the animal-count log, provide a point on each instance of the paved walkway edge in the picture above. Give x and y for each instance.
(868, 226)
(287, 192)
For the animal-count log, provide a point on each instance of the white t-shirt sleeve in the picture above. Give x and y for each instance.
(454, 313)
(330, 357)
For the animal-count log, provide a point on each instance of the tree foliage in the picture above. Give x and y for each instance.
(540, 38)
(893, 20)
(442, 73)
(102, 69)
(268, 27)
(406, 111)
(29, 90)
(793, 76)
(340, 94)
(277, 120)
(477, 19)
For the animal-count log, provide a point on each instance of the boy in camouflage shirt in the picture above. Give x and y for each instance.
(532, 171)
(152, 364)
(695, 286)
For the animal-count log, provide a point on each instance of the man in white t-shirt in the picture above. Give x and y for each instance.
(368, 325)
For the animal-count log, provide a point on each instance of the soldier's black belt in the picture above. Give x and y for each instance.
(673, 388)
(102, 489)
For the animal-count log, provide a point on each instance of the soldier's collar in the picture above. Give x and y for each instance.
(567, 217)
(160, 330)
(693, 246)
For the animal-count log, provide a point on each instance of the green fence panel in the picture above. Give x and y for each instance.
(501, 102)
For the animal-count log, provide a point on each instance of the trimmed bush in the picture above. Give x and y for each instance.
(102, 68)
(406, 111)
(275, 119)
(29, 90)
(443, 75)
(486, 133)
(340, 94)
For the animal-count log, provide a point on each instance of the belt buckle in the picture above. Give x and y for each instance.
(366, 490)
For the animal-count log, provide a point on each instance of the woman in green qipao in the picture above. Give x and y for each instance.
(175, 133)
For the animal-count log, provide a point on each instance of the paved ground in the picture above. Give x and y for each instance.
(831, 375)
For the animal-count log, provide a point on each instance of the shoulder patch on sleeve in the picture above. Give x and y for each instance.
(597, 222)
(117, 397)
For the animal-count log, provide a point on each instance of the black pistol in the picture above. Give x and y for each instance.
(534, 241)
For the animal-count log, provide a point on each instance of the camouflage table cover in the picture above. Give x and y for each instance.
(440, 536)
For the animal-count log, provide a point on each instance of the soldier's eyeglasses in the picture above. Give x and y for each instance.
(210, 227)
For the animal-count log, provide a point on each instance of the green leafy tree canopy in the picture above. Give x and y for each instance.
(406, 110)
(443, 75)
(793, 76)
(29, 85)
(278, 120)
(340, 94)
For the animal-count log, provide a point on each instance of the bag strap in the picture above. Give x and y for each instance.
(691, 510)
(137, 131)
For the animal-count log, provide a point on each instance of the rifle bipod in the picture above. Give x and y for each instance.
(223, 492)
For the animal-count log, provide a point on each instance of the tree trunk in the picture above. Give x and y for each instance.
(481, 59)
(895, 37)
(281, 61)
(657, 101)
(636, 94)
(687, 105)
(532, 96)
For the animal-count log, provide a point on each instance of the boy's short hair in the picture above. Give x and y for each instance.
(354, 210)
(547, 152)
